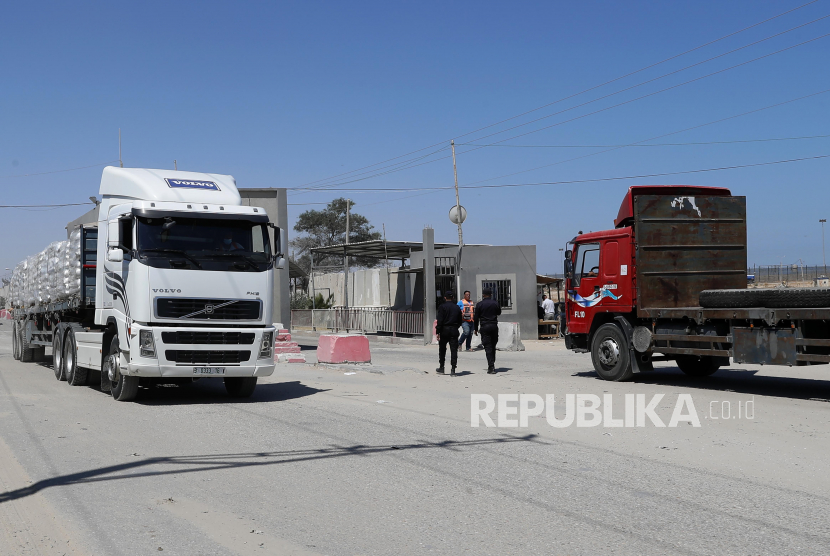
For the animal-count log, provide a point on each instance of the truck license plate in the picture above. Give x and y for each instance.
(208, 370)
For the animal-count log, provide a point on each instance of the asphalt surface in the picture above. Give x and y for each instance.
(382, 459)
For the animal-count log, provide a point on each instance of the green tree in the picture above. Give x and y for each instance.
(320, 228)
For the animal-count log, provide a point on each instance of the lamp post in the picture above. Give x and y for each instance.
(823, 256)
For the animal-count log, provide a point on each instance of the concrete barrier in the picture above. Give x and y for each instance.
(509, 337)
(343, 348)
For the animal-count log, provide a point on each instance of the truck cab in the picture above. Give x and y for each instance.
(184, 281)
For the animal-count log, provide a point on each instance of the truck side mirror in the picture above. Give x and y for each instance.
(115, 255)
(569, 265)
(280, 246)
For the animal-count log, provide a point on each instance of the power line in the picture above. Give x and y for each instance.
(59, 171)
(672, 73)
(638, 176)
(650, 145)
(569, 96)
(655, 137)
(590, 113)
(660, 91)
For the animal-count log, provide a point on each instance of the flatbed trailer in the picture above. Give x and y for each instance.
(636, 294)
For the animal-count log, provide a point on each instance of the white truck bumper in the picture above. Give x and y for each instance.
(201, 352)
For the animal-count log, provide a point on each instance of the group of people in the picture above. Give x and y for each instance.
(482, 318)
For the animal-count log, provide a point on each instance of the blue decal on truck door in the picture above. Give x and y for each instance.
(192, 184)
(592, 299)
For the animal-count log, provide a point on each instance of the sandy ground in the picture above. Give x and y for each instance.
(382, 459)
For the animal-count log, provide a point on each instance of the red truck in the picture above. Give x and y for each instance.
(669, 283)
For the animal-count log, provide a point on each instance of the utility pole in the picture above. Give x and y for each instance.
(175, 165)
(458, 212)
(346, 259)
(120, 162)
(823, 255)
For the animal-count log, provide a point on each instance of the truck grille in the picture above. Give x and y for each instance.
(208, 309)
(216, 338)
(189, 357)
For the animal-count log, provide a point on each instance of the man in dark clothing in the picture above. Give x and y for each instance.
(447, 322)
(487, 323)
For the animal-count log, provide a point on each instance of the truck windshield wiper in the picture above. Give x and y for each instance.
(247, 259)
(173, 251)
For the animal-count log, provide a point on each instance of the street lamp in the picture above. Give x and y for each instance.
(823, 220)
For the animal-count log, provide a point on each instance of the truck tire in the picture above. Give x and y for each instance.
(75, 375)
(733, 299)
(609, 353)
(57, 355)
(699, 366)
(123, 388)
(240, 386)
(39, 353)
(798, 297)
(16, 342)
(27, 352)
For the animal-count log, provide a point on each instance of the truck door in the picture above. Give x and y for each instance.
(586, 288)
(615, 277)
(116, 269)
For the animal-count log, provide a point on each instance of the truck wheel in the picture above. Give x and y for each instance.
(240, 386)
(75, 375)
(16, 342)
(57, 356)
(123, 388)
(733, 299)
(26, 350)
(609, 353)
(694, 365)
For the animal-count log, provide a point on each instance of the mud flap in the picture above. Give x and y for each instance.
(640, 362)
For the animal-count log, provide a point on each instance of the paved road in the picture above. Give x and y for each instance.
(384, 461)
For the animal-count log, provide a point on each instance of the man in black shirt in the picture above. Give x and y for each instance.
(486, 321)
(448, 320)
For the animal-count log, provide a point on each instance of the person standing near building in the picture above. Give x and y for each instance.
(550, 308)
(486, 321)
(447, 322)
(467, 309)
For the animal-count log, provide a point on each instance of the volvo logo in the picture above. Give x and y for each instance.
(208, 309)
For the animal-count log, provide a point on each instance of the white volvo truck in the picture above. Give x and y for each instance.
(174, 282)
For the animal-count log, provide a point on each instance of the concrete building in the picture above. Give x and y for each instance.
(508, 270)
(427, 270)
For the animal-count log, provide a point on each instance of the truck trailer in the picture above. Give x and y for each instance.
(669, 283)
(174, 282)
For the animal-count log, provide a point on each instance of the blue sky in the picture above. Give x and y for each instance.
(284, 94)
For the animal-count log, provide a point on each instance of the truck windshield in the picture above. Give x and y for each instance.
(203, 244)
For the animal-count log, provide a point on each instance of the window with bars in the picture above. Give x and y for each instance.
(502, 291)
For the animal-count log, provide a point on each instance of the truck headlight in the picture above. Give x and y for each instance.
(265, 349)
(146, 343)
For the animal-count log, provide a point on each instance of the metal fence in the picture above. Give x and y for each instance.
(368, 320)
(784, 274)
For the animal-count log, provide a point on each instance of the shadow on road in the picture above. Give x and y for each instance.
(741, 381)
(179, 465)
(210, 391)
